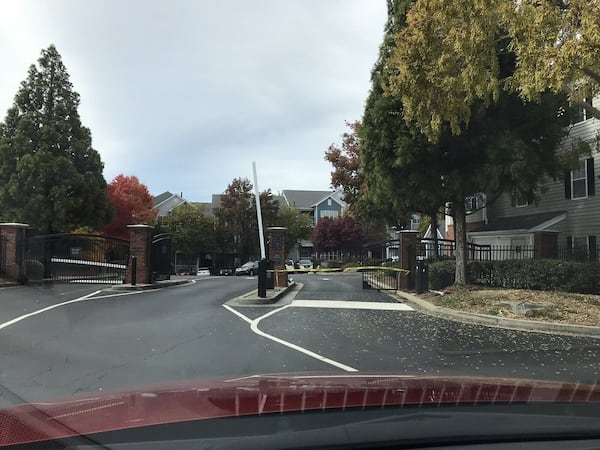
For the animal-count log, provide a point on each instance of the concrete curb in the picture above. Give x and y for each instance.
(147, 287)
(502, 322)
(252, 298)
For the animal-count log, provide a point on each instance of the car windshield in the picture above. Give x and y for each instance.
(216, 209)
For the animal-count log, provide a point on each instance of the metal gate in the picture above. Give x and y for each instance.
(76, 258)
(381, 278)
(160, 257)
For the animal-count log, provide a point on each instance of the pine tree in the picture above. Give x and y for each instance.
(50, 176)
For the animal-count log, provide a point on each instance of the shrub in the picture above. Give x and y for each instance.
(441, 274)
(537, 274)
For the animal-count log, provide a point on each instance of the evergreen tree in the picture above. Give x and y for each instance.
(50, 176)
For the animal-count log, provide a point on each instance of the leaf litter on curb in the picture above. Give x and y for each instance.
(545, 306)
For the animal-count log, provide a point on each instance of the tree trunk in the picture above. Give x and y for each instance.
(460, 236)
(434, 228)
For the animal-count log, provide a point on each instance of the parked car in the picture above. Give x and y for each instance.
(305, 264)
(225, 271)
(249, 268)
(203, 271)
(289, 264)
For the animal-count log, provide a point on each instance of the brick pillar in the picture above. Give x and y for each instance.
(408, 257)
(14, 239)
(545, 244)
(139, 246)
(277, 254)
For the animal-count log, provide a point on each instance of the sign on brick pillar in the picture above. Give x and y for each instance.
(139, 247)
(14, 235)
(277, 253)
(408, 257)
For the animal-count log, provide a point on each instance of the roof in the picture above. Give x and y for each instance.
(303, 200)
(335, 196)
(530, 222)
(162, 198)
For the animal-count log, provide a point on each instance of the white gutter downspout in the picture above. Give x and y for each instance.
(484, 211)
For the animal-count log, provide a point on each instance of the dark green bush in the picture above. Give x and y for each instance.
(441, 274)
(537, 274)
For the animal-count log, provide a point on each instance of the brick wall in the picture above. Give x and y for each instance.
(139, 246)
(277, 253)
(15, 251)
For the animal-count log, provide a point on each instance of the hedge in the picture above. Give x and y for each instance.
(537, 274)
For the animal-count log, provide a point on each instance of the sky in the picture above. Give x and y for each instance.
(186, 94)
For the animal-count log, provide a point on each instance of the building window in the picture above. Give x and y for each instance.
(328, 213)
(471, 203)
(581, 113)
(582, 248)
(580, 183)
(415, 221)
(328, 202)
(519, 201)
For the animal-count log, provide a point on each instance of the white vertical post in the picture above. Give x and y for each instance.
(261, 236)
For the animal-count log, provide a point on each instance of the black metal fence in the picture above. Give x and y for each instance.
(476, 252)
(583, 254)
(446, 249)
(383, 279)
(160, 257)
(76, 258)
(427, 249)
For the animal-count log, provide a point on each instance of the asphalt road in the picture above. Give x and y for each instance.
(62, 339)
(116, 339)
(410, 342)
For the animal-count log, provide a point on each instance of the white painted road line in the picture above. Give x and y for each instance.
(68, 302)
(254, 327)
(47, 308)
(237, 313)
(376, 306)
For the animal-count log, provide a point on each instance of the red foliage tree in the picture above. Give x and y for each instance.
(133, 205)
(342, 233)
(345, 160)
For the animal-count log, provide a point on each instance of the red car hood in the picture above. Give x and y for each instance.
(263, 394)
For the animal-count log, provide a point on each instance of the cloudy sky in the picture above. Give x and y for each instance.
(186, 94)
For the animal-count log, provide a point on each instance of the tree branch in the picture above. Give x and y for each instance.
(591, 110)
(592, 74)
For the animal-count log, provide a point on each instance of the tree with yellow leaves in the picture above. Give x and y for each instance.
(446, 59)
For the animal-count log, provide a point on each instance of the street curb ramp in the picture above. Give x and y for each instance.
(252, 298)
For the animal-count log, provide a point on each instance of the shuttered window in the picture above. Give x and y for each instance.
(580, 182)
(583, 248)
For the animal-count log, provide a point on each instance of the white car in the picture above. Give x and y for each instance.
(305, 264)
(203, 271)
